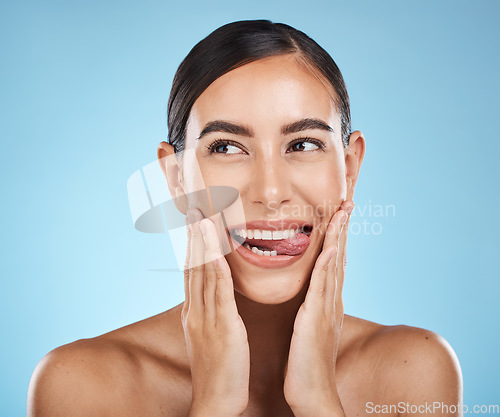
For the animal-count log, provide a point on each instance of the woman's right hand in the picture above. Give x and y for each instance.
(216, 337)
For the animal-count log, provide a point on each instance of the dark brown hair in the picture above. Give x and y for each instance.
(239, 43)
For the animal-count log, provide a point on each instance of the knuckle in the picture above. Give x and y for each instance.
(196, 269)
(221, 298)
(322, 292)
(211, 277)
(189, 271)
(219, 274)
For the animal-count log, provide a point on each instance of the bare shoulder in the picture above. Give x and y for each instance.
(118, 373)
(409, 364)
(421, 357)
(73, 378)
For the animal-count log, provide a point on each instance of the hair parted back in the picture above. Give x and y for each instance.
(238, 43)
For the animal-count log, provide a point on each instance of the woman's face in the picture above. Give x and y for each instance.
(281, 175)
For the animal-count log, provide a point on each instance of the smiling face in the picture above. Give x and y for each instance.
(278, 142)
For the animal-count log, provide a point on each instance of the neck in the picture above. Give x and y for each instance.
(269, 329)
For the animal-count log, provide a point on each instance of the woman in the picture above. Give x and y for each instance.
(264, 110)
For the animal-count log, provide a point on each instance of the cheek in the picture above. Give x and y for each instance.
(192, 172)
(200, 173)
(214, 173)
(324, 187)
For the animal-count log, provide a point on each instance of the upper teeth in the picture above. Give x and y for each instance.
(266, 234)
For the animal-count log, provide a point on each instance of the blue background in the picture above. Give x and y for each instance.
(84, 88)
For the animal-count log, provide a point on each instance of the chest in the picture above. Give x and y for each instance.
(356, 400)
(169, 394)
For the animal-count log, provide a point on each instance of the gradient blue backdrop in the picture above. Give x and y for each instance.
(84, 88)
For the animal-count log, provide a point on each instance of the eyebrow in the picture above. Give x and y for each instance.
(294, 127)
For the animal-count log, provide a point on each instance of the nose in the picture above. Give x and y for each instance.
(270, 183)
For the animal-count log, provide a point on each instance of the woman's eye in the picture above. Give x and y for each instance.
(224, 148)
(306, 145)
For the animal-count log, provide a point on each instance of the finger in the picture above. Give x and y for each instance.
(212, 252)
(336, 234)
(316, 293)
(334, 228)
(318, 289)
(332, 234)
(196, 263)
(185, 307)
(336, 273)
(337, 314)
(226, 309)
(336, 311)
(348, 206)
(219, 280)
(332, 286)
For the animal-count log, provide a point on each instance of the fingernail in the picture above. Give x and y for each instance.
(349, 209)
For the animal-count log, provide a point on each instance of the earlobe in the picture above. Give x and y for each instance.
(353, 160)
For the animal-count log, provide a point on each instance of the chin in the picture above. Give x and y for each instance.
(273, 290)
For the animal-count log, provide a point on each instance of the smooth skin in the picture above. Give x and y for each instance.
(251, 341)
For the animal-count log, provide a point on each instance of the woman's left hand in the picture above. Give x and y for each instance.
(310, 380)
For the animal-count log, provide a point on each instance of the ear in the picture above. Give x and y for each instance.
(170, 165)
(354, 155)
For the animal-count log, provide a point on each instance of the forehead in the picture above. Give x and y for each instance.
(265, 94)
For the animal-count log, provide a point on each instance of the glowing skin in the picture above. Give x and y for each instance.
(274, 180)
(145, 369)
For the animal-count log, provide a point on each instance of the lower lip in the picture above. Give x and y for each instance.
(278, 261)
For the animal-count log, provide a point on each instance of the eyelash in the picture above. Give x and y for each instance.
(218, 142)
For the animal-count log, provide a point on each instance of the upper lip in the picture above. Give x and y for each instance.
(279, 224)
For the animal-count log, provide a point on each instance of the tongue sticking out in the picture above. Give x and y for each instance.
(294, 246)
